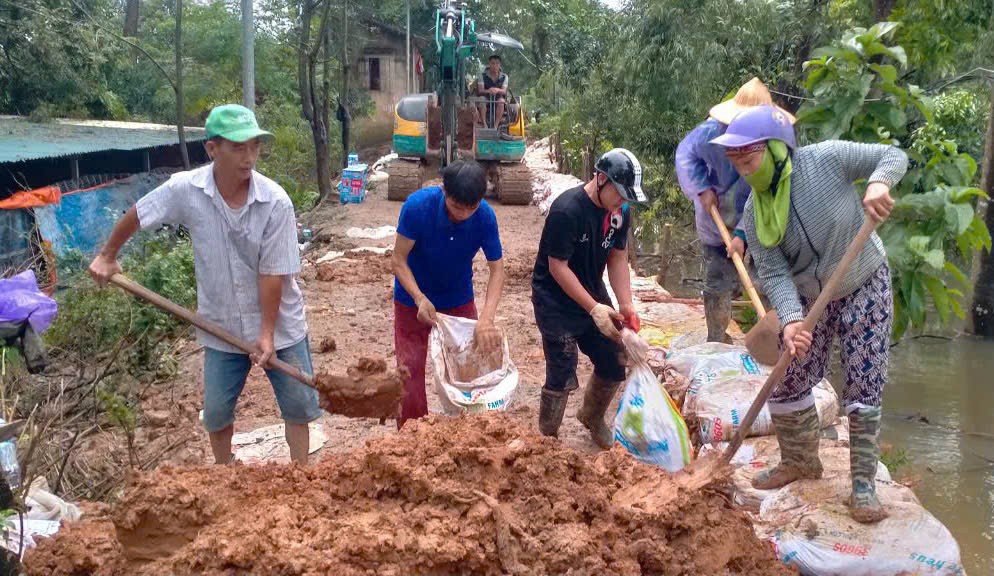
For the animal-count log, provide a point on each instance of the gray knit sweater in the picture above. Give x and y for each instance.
(826, 211)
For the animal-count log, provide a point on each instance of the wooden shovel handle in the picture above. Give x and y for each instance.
(826, 296)
(739, 264)
(128, 285)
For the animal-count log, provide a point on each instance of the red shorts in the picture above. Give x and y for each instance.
(410, 338)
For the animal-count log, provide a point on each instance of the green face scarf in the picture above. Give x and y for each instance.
(771, 208)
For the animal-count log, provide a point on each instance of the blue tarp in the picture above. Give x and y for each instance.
(83, 220)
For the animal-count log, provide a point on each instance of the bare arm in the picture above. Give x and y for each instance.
(270, 295)
(620, 278)
(495, 287)
(402, 247)
(105, 264)
(570, 284)
(486, 336)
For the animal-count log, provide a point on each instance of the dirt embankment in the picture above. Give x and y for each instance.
(481, 494)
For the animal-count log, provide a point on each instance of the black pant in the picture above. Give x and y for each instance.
(560, 347)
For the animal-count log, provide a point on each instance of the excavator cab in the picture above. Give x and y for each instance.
(441, 126)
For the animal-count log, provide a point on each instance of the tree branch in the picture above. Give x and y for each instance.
(120, 38)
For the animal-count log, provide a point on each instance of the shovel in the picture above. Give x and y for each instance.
(368, 390)
(705, 470)
(763, 340)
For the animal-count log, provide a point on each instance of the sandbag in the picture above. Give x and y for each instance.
(724, 380)
(468, 381)
(710, 361)
(718, 407)
(648, 424)
(765, 453)
(810, 528)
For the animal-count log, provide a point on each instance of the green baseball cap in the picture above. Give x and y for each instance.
(233, 122)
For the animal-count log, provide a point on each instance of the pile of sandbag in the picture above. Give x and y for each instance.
(807, 521)
(547, 182)
(723, 381)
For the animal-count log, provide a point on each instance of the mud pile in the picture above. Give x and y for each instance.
(368, 390)
(481, 494)
(357, 267)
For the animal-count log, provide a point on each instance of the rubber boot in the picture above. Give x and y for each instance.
(798, 437)
(864, 453)
(552, 409)
(718, 314)
(596, 398)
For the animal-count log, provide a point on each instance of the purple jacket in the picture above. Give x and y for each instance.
(701, 165)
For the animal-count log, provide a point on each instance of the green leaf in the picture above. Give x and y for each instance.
(886, 71)
(965, 215)
(881, 29)
(916, 303)
(935, 258)
(939, 296)
(954, 271)
(959, 194)
(900, 55)
(919, 245)
(957, 309)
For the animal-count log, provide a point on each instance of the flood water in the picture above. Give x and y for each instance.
(939, 408)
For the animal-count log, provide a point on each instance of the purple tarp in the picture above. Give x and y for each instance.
(20, 300)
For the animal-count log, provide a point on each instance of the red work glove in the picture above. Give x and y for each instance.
(632, 321)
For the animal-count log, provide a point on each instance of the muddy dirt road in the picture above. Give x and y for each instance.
(349, 306)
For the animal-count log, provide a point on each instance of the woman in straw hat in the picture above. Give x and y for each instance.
(709, 179)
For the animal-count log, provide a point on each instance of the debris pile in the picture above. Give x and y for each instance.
(547, 182)
(481, 494)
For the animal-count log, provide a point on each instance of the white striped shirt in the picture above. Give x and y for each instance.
(231, 248)
(825, 213)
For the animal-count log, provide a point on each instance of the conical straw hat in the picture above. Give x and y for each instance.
(752, 93)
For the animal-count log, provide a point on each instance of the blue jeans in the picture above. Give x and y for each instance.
(224, 378)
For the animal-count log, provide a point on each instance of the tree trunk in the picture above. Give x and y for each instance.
(131, 11)
(882, 9)
(983, 290)
(179, 86)
(312, 106)
(343, 99)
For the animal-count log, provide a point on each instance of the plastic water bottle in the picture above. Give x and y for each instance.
(8, 462)
(353, 159)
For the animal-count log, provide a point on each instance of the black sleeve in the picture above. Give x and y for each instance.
(559, 236)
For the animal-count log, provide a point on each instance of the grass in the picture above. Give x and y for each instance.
(894, 458)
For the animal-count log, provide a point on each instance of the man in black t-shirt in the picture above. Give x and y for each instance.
(585, 232)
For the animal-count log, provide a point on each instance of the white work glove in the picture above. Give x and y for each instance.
(604, 317)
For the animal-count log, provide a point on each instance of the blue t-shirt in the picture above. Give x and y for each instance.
(442, 257)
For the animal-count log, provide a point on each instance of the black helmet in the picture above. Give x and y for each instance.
(623, 169)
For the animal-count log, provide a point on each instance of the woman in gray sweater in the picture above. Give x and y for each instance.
(803, 212)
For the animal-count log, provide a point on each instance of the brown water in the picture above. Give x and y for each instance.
(939, 408)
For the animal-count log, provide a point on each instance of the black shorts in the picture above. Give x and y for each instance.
(561, 357)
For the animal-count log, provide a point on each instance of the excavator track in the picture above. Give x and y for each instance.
(406, 177)
(513, 184)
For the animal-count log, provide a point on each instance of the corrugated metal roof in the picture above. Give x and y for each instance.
(22, 140)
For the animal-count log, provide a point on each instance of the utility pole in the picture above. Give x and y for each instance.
(248, 55)
(410, 71)
(184, 153)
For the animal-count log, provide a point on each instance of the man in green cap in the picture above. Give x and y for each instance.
(245, 255)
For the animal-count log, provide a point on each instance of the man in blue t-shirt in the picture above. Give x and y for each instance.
(440, 231)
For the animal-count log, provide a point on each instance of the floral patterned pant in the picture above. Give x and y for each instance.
(862, 321)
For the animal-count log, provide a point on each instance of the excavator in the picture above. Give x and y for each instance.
(432, 130)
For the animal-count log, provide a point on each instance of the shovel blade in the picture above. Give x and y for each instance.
(763, 341)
